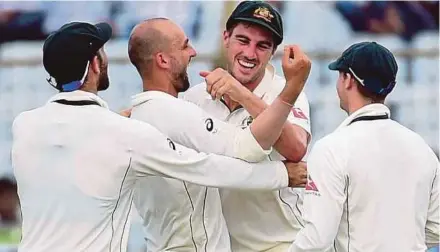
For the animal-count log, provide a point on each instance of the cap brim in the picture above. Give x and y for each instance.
(259, 22)
(105, 31)
(334, 66)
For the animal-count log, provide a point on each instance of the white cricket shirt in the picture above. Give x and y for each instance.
(180, 216)
(372, 187)
(76, 167)
(258, 221)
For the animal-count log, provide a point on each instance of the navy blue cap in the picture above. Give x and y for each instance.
(67, 52)
(373, 65)
(260, 13)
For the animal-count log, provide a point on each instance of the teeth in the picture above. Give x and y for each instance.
(246, 64)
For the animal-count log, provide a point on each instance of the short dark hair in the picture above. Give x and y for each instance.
(376, 98)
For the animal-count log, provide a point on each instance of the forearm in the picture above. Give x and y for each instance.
(268, 125)
(292, 143)
(290, 140)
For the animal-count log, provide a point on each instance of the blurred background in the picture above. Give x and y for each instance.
(322, 29)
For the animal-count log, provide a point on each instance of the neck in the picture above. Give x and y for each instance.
(357, 104)
(89, 87)
(158, 83)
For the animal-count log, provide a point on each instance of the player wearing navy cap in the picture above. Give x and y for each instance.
(372, 183)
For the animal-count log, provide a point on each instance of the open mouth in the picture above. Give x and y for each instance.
(246, 64)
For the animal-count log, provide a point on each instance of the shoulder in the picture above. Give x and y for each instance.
(196, 93)
(27, 117)
(334, 144)
(277, 86)
(176, 107)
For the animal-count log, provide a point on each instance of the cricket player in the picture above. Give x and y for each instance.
(372, 184)
(161, 52)
(258, 221)
(76, 162)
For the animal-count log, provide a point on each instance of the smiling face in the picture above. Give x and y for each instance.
(178, 53)
(249, 48)
(181, 55)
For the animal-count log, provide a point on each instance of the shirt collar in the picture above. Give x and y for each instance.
(140, 98)
(79, 95)
(368, 110)
(265, 85)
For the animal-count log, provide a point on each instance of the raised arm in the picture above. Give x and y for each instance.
(270, 127)
(189, 125)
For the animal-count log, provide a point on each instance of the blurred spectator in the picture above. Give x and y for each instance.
(184, 13)
(34, 20)
(10, 220)
(399, 17)
(279, 5)
(8, 202)
(61, 12)
(433, 8)
(21, 21)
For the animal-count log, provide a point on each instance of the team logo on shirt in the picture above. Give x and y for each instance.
(209, 124)
(297, 112)
(171, 144)
(311, 186)
(247, 121)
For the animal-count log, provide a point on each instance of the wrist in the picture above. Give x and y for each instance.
(245, 96)
(289, 96)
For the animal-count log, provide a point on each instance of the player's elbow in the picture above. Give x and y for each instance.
(296, 154)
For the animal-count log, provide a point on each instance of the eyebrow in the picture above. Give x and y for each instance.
(241, 37)
(263, 42)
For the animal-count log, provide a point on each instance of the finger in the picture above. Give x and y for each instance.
(208, 87)
(204, 73)
(126, 112)
(211, 79)
(215, 76)
(286, 56)
(295, 51)
(222, 91)
(216, 87)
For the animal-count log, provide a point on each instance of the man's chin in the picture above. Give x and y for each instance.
(243, 78)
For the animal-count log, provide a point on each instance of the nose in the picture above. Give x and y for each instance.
(193, 52)
(250, 52)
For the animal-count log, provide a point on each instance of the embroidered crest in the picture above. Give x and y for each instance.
(247, 121)
(264, 13)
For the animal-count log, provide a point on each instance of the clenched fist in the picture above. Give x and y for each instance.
(219, 82)
(297, 173)
(296, 67)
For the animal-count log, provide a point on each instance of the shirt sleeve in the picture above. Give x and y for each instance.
(300, 114)
(155, 154)
(191, 126)
(432, 223)
(324, 197)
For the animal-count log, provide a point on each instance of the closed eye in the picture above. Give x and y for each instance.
(242, 39)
